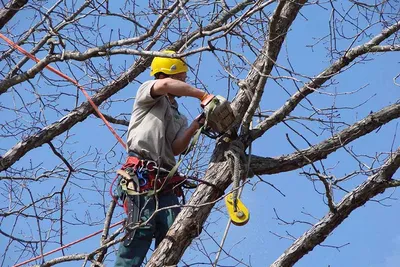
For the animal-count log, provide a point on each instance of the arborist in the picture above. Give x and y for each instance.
(157, 133)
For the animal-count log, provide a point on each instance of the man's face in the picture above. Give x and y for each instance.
(179, 76)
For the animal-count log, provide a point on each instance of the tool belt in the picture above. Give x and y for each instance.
(144, 177)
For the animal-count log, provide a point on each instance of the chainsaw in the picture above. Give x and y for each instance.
(218, 114)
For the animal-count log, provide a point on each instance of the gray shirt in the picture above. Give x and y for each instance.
(155, 123)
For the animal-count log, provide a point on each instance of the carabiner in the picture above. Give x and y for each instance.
(141, 177)
(151, 165)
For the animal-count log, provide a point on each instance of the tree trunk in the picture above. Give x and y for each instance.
(190, 220)
(189, 223)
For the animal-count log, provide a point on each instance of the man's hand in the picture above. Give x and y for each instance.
(198, 122)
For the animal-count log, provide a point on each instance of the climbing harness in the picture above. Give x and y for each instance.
(138, 178)
(144, 177)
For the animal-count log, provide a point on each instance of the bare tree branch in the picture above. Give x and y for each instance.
(374, 185)
(84, 110)
(327, 74)
(232, 49)
(320, 151)
(385, 48)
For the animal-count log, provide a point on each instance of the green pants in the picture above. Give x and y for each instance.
(134, 254)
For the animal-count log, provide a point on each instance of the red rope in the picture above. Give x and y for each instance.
(111, 192)
(59, 73)
(94, 106)
(67, 245)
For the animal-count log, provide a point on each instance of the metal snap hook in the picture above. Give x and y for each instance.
(151, 165)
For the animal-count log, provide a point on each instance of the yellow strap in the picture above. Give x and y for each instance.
(239, 217)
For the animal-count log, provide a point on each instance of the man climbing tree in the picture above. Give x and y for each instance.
(314, 86)
(157, 133)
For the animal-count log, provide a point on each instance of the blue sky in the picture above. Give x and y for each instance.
(371, 231)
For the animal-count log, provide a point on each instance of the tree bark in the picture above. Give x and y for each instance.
(190, 220)
(189, 223)
(8, 12)
(316, 83)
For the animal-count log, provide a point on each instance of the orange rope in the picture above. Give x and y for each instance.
(59, 73)
(65, 246)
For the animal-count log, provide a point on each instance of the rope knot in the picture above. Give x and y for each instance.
(238, 166)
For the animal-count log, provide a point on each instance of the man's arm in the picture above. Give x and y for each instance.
(181, 143)
(175, 87)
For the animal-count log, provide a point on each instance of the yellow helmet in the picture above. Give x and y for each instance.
(167, 65)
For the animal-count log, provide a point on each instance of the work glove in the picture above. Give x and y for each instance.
(206, 100)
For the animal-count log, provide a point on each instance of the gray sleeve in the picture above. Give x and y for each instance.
(143, 96)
